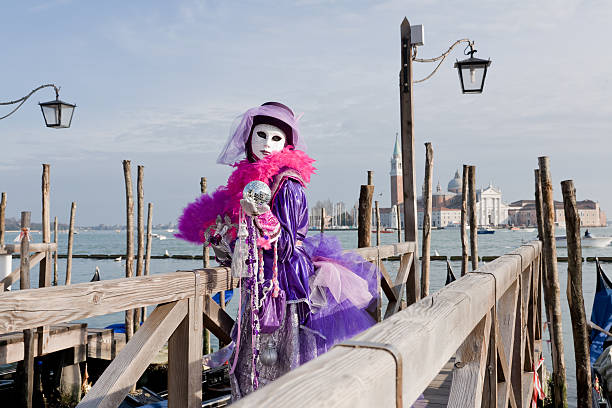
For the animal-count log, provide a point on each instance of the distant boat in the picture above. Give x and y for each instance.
(169, 230)
(593, 242)
(118, 259)
(486, 231)
(159, 236)
(96, 276)
(167, 254)
(452, 225)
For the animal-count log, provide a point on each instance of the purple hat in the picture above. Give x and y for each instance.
(273, 113)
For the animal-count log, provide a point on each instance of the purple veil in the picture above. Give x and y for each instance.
(235, 147)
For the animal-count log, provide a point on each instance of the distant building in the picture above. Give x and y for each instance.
(523, 212)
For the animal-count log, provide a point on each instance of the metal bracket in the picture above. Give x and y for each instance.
(389, 348)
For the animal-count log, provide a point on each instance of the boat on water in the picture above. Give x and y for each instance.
(159, 236)
(486, 231)
(586, 241)
(600, 338)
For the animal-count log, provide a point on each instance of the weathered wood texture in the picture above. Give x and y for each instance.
(129, 240)
(574, 295)
(46, 265)
(464, 220)
(70, 244)
(26, 378)
(364, 218)
(473, 218)
(116, 381)
(398, 214)
(408, 157)
(55, 236)
(322, 227)
(421, 334)
(140, 237)
(551, 283)
(205, 249)
(377, 209)
(16, 274)
(2, 218)
(426, 220)
(147, 264)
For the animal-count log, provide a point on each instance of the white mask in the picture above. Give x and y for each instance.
(267, 139)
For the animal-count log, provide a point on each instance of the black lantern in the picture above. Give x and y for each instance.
(58, 114)
(472, 72)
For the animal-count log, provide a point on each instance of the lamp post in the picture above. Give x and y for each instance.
(472, 73)
(57, 113)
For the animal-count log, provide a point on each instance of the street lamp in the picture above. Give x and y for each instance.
(57, 113)
(472, 72)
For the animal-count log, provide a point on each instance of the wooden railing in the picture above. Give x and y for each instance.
(489, 321)
(41, 251)
(184, 308)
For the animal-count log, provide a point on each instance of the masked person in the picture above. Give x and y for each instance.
(299, 296)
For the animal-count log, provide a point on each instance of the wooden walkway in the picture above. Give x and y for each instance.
(436, 395)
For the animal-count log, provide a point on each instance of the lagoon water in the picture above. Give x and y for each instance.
(445, 242)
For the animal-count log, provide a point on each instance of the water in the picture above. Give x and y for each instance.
(445, 242)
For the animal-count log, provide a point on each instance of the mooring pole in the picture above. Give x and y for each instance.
(575, 299)
(27, 375)
(129, 255)
(464, 219)
(55, 233)
(147, 265)
(377, 222)
(364, 220)
(140, 239)
(408, 173)
(70, 242)
(552, 284)
(426, 220)
(206, 264)
(2, 217)
(473, 218)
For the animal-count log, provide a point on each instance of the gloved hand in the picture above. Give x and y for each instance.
(251, 208)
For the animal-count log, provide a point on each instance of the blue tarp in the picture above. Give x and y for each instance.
(228, 295)
(601, 314)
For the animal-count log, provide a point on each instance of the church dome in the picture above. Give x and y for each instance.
(455, 185)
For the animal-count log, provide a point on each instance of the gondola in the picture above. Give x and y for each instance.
(599, 338)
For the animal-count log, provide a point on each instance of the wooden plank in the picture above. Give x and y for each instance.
(99, 343)
(14, 276)
(506, 312)
(419, 333)
(217, 320)
(469, 371)
(386, 283)
(464, 220)
(185, 360)
(518, 350)
(407, 260)
(23, 309)
(489, 392)
(59, 338)
(34, 247)
(116, 381)
(383, 251)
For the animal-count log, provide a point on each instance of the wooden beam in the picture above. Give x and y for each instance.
(70, 243)
(123, 372)
(217, 320)
(23, 309)
(406, 263)
(26, 380)
(464, 220)
(129, 242)
(470, 363)
(426, 220)
(44, 278)
(15, 275)
(473, 218)
(364, 219)
(185, 360)
(34, 247)
(140, 237)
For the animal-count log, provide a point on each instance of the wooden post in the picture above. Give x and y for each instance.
(55, 233)
(398, 214)
(27, 379)
(322, 219)
(2, 217)
(408, 159)
(549, 247)
(464, 219)
(140, 241)
(205, 249)
(426, 220)
(206, 264)
(70, 241)
(364, 219)
(473, 219)
(377, 223)
(129, 253)
(147, 265)
(370, 178)
(44, 278)
(575, 298)
(538, 205)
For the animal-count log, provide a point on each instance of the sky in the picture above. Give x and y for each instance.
(159, 83)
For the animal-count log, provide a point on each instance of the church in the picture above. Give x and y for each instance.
(446, 204)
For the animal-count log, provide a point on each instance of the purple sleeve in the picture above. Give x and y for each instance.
(291, 209)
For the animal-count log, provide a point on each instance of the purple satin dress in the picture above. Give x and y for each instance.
(306, 331)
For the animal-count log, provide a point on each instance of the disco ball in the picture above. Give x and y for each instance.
(258, 192)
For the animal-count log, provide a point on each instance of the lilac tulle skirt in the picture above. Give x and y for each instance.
(343, 291)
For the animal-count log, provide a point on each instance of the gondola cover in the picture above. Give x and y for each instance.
(602, 313)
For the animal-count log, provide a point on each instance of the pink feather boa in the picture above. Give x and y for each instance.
(202, 213)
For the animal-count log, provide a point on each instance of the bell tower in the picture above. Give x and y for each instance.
(397, 188)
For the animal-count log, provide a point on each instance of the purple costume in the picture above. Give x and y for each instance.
(328, 293)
